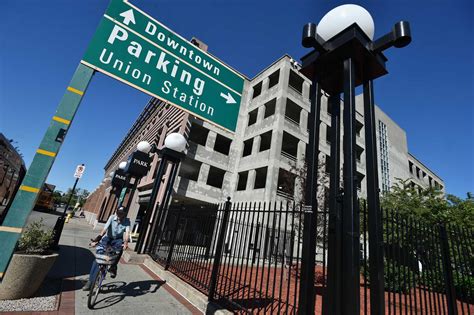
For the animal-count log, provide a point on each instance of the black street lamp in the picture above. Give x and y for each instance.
(344, 57)
(172, 153)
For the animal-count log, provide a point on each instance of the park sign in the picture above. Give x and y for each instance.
(132, 47)
(138, 164)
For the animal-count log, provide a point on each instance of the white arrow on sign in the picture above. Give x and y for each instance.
(128, 17)
(228, 97)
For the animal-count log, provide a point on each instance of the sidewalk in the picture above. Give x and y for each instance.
(136, 290)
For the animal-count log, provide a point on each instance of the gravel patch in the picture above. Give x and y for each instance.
(45, 299)
(44, 303)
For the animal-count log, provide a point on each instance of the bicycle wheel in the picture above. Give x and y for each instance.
(95, 288)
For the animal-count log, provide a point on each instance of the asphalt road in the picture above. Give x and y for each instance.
(49, 219)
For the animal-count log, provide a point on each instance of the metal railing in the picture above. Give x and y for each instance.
(428, 268)
(247, 257)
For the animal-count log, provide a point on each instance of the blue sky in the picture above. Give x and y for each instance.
(428, 91)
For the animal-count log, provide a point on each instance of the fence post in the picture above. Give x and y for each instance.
(218, 253)
(173, 238)
(448, 271)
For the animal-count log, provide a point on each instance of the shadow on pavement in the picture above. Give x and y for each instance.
(131, 289)
(72, 261)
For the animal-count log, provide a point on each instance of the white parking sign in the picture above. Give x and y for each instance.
(79, 171)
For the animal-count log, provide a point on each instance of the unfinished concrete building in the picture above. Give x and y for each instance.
(263, 159)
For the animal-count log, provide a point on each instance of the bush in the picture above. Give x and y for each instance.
(463, 285)
(35, 240)
(433, 280)
(397, 278)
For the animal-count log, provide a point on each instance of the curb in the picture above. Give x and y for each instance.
(198, 299)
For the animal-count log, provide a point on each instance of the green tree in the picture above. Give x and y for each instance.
(57, 196)
(428, 204)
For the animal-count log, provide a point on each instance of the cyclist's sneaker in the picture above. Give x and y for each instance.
(86, 286)
(113, 271)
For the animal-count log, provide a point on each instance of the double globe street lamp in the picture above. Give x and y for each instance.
(154, 220)
(344, 57)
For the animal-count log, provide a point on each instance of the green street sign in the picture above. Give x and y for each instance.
(132, 47)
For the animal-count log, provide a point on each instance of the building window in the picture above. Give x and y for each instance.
(359, 126)
(198, 134)
(359, 179)
(265, 141)
(328, 135)
(286, 183)
(260, 177)
(222, 144)
(327, 164)
(330, 107)
(253, 117)
(296, 82)
(289, 146)
(270, 108)
(190, 169)
(242, 183)
(257, 90)
(273, 78)
(292, 111)
(248, 144)
(215, 177)
(384, 161)
(359, 151)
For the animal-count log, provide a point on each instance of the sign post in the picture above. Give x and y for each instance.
(43, 160)
(58, 227)
(139, 51)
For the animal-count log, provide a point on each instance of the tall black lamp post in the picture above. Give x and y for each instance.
(172, 153)
(344, 57)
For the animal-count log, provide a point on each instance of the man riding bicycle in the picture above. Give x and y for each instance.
(117, 229)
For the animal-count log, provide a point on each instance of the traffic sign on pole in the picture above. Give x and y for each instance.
(132, 47)
(79, 171)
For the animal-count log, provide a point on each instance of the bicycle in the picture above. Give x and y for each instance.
(104, 261)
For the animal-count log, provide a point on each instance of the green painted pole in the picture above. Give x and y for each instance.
(25, 199)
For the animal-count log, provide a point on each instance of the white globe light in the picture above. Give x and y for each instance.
(144, 146)
(122, 165)
(344, 16)
(111, 174)
(175, 141)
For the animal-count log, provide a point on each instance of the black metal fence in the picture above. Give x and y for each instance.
(428, 268)
(258, 265)
(247, 257)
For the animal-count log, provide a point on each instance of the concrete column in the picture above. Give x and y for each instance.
(261, 113)
(271, 181)
(306, 88)
(203, 173)
(300, 155)
(211, 140)
(323, 131)
(251, 180)
(280, 105)
(256, 144)
(265, 83)
(303, 120)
